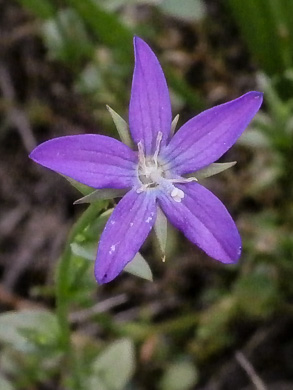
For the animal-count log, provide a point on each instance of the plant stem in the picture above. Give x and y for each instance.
(63, 293)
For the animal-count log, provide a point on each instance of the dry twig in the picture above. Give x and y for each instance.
(250, 371)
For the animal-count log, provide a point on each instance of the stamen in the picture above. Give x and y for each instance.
(143, 188)
(177, 194)
(141, 156)
(158, 143)
(189, 179)
(183, 180)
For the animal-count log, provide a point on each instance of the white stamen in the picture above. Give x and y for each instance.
(143, 188)
(183, 180)
(177, 194)
(151, 173)
(158, 143)
(141, 156)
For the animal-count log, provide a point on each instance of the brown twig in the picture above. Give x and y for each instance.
(15, 115)
(250, 371)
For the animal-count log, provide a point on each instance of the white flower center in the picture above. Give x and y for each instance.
(150, 172)
(152, 175)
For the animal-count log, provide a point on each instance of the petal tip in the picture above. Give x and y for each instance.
(137, 41)
(31, 155)
(256, 95)
(102, 276)
(34, 154)
(105, 276)
(103, 279)
(141, 48)
(232, 258)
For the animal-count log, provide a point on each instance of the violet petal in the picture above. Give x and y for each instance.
(149, 108)
(204, 220)
(95, 160)
(125, 232)
(206, 137)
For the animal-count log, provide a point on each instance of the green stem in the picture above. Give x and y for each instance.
(63, 293)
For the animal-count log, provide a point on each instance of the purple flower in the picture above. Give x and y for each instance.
(155, 172)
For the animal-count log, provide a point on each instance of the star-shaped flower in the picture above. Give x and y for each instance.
(155, 172)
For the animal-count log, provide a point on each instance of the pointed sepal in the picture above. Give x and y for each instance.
(103, 194)
(121, 126)
(211, 170)
(161, 232)
(139, 267)
(174, 124)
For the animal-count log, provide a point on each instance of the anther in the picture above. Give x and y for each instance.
(177, 194)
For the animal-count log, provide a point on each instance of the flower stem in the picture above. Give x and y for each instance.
(63, 293)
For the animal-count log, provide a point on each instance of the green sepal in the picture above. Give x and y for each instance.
(121, 126)
(161, 231)
(174, 124)
(82, 188)
(211, 170)
(102, 194)
(138, 266)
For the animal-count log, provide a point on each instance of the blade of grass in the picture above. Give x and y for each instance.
(254, 20)
(43, 9)
(105, 26)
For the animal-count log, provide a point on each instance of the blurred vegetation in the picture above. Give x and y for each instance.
(202, 312)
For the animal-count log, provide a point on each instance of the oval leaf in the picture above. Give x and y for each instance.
(115, 366)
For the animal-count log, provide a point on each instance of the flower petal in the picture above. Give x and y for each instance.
(125, 232)
(206, 137)
(204, 220)
(149, 108)
(95, 160)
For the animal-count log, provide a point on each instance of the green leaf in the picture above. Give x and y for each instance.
(26, 329)
(66, 37)
(139, 267)
(95, 383)
(115, 366)
(262, 21)
(121, 126)
(103, 194)
(90, 79)
(5, 384)
(87, 253)
(40, 8)
(105, 25)
(191, 10)
(211, 170)
(181, 375)
(257, 294)
(94, 230)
